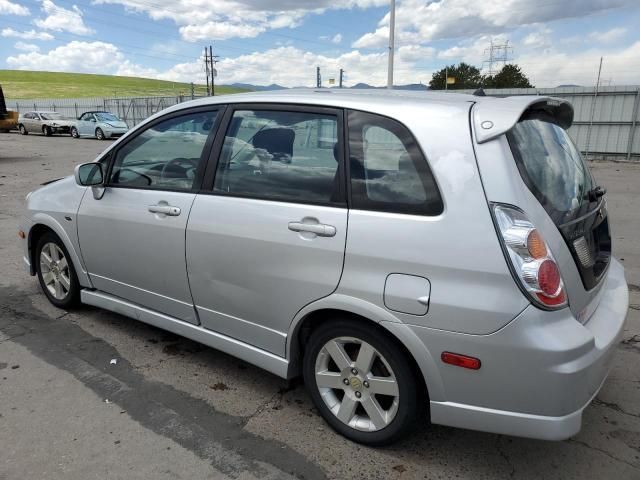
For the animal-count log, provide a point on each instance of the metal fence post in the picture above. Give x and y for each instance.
(634, 124)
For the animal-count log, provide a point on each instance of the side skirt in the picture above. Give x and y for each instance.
(260, 358)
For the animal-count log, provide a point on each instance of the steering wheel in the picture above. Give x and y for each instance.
(176, 162)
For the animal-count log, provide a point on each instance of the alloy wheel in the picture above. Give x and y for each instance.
(54, 266)
(357, 384)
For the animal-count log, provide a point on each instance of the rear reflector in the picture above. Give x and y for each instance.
(460, 360)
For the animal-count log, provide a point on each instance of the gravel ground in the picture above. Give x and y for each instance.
(171, 408)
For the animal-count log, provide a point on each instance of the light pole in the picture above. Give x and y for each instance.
(392, 27)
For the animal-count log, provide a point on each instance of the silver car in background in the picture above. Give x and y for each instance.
(47, 123)
(100, 125)
(408, 254)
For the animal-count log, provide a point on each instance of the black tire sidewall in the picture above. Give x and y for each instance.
(47, 131)
(100, 134)
(73, 296)
(74, 132)
(22, 129)
(408, 414)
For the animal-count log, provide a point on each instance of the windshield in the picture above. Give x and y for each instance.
(551, 166)
(51, 116)
(107, 117)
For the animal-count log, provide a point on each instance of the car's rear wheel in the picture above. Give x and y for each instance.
(74, 132)
(362, 382)
(47, 131)
(100, 134)
(55, 272)
(23, 130)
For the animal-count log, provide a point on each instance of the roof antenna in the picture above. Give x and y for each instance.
(480, 93)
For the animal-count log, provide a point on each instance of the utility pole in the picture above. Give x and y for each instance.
(341, 77)
(206, 67)
(209, 61)
(392, 28)
(593, 110)
(318, 78)
(446, 76)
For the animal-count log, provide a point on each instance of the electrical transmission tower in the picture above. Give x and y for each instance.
(209, 61)
(499, 56)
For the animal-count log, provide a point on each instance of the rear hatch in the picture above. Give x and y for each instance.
(555, 172)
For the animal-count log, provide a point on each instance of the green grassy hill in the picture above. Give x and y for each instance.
(28, 84)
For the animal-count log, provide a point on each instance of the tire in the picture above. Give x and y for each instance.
(55, 271)
(100, 134)
(396, 411)
(22, 130)
(74, 132)
(46, 130)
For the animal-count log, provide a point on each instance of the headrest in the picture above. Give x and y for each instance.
(277, 141)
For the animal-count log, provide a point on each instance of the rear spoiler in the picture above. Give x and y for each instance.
(494, 116)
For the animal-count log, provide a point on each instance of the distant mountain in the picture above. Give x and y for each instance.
(274, 86)
(257, 88)
(411, 86)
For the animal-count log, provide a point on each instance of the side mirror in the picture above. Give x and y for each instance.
(89, 174)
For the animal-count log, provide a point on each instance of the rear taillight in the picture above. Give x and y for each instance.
(533, 264)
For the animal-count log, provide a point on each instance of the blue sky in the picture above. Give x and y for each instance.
(269, 41)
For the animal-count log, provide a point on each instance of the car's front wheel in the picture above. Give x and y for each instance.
(55, 271)
(100, 134)
(47, 131)
(23, 130)
(361, 381)
(74, 132)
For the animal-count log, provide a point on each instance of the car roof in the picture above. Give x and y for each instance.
(492, 116)
(97, 111)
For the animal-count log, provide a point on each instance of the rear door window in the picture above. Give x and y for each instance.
(387, 168)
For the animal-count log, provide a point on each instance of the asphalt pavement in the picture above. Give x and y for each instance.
(169, 408)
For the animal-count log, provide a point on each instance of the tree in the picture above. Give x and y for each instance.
(509, 77)
(466, 76)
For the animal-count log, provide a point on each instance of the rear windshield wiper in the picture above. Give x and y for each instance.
(595, 193)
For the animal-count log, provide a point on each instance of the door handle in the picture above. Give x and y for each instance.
(165, 209)
(318, 228)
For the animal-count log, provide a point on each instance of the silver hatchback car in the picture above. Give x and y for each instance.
(409, 255)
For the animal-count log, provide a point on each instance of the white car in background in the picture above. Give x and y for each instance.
(100, 125)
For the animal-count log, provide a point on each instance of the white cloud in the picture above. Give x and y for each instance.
(9, 8)
(27, 35)
(337, 38)
(538, 39)
(551, 69)
(219, 31)
(26, 47)
(62, 20)
(608, 36)
(419, 21)
(288, 66)
(235, 18)
(89, 57)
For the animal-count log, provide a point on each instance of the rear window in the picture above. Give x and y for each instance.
(551, 166)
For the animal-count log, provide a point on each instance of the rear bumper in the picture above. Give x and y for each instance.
(538, 373)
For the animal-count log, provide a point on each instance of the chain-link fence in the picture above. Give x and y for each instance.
(132, 110)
